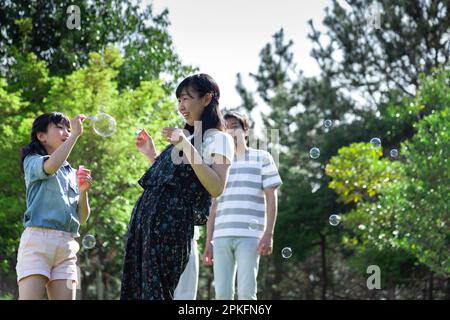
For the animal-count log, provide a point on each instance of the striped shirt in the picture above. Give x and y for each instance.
(242, 206)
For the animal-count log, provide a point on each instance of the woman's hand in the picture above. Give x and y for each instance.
(84, 179)
(145, 145)
(76, 125)
(176, 137)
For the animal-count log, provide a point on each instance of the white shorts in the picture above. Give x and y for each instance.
(47, 252)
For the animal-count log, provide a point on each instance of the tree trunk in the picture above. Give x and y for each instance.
(324, 266)
(99, 284)
(267, 263)
(430, 286)
(210, 288)
(332, 281)
(391, 290)
(447, 293)
(276, 295)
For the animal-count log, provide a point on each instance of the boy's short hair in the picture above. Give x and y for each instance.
(243, 119)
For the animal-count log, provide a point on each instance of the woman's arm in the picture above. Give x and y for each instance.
(151, 158)
(213, 178)
(146, 146)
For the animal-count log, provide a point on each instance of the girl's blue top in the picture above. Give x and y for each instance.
(52, 200)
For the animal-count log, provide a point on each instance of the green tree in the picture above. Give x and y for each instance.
(14, 130)
(412, 38)
(421, 198)
(402, 205)
(41, 27)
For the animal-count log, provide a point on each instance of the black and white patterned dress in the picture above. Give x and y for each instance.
(161, 228)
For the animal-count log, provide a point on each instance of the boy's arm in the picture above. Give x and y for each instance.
(266, 243)
(208, 254)
(211, 220)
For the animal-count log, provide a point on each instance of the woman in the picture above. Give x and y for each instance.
(177, 194)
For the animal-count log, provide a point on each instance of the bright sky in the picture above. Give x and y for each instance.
(224, 37)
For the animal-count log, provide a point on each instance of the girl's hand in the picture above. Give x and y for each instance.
(77, 125)
(145, 145)
(84, 179)
(175, 136)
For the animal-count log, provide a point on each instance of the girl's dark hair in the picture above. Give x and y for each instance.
(41, 124)
(203, 84)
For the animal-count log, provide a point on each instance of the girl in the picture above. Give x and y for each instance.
(57, 202)
(176, 195)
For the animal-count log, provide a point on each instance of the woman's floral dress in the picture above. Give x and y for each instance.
(161, 228)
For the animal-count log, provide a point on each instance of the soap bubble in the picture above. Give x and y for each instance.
(253, 224)
(286, 253)
(376, 142)
(327, 123)
(394, 153)
(104, 124)
(88, 241)
(335, 219)
(314, 153)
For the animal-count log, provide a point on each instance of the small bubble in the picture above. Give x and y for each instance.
(327, 123)
(253, 224)
(394, 153)
(88, 241)
(314, 153)
(334, 219)
(286, 252)
(376, 142)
